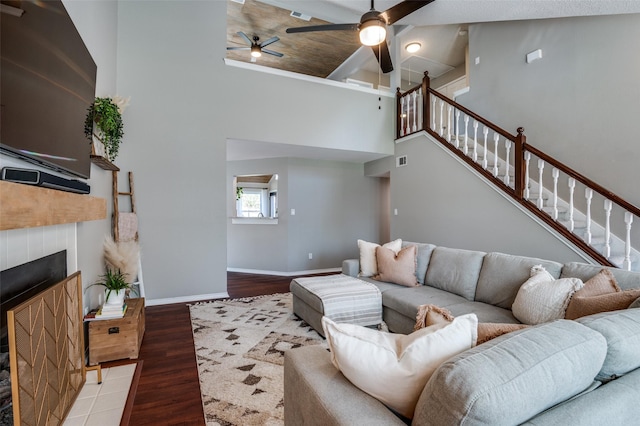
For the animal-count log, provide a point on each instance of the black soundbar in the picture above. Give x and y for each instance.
(38, 178)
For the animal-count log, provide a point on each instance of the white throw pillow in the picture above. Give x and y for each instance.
(394, 368)
(542, 298)
(368, 262)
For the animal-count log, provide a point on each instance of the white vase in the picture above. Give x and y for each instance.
(115, 297)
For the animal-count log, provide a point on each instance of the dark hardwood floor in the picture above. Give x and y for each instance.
(168, 392)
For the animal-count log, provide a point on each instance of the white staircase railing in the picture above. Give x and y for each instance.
(591, 217)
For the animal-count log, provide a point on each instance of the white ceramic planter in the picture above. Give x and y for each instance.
(114, 298)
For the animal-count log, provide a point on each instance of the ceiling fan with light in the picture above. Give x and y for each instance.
(256, 48)
(372, 28)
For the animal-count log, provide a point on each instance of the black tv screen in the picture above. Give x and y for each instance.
(48, 82)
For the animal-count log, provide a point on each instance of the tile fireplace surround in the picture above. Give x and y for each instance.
(36, 222)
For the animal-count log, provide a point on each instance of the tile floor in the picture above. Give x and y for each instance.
(102, 405)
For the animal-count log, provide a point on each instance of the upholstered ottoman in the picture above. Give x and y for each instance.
(339, 297)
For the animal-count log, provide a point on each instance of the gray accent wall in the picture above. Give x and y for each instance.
(441, 202)
(580, 103)
(185, 104)
(335, 204)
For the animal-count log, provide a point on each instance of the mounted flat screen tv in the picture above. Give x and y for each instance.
(48, 82)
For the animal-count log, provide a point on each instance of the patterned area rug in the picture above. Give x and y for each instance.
(240, 346)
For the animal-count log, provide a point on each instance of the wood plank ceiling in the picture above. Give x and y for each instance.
(316, 54)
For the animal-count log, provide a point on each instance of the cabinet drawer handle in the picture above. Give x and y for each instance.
(114, 330)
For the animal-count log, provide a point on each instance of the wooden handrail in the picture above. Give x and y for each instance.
(585, 180)
(521, 147)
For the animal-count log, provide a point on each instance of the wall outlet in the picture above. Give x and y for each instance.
(293, 212)
(395, 212)
(310, 256)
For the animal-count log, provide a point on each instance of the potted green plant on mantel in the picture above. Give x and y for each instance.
(104, 121)
(115, 286)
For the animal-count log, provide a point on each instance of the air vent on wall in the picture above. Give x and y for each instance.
(401, 161)
(300, 15)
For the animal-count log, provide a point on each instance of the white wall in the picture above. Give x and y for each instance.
(96, 22)
(185, 104)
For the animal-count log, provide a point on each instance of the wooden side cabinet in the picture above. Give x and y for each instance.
(120, 338)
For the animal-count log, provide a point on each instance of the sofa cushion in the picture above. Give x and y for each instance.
(423, 256)
(503, 274)
(368, 263)
(622, 331)
(398, 269)
(542, 298)
(394, 367)
(626, 279)
(510, 379)
(455, 271)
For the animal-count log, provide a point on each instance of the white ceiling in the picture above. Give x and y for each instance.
(437, 27)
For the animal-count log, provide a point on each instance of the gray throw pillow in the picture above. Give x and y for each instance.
(635, 304)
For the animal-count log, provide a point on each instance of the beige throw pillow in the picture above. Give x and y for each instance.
(430, 314)
(368, 263)
(400, 269)
(602, 283)
(394, 368)
(584, 306)
(542, 298)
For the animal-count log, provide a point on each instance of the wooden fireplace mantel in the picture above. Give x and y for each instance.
(26, 206)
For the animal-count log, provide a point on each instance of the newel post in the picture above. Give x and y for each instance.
(426, 113)
(398, 113)
(519, 164)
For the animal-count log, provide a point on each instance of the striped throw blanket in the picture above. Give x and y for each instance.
(346, 299)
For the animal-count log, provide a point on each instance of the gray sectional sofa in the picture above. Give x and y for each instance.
(583, 372)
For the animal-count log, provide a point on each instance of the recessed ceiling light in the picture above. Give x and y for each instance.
(413, 47)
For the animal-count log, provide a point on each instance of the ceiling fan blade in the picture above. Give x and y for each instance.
(402, 9)
(238, 48)
(246, 37)
(270, 41)
(271, 52)
(328, 27)
(383, 56)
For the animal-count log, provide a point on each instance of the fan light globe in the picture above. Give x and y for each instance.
(372, 33)
(255, 51)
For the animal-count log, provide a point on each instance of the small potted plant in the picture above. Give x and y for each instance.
(106, 115)
(115, 285)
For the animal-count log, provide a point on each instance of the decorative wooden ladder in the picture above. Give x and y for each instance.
(128, 221)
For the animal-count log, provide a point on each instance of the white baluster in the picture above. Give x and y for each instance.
(628, 220)
(588, 194)
(572, 188)
(402, 116)
(415, 108)
(556, 174)
(540, 187)
(449, 117)
(475, 141)
(507, 178)
(485, 131)
(466, 136)
(527, 160)
(433, 114)
(496, 138)
(420, 112)
(607, 228)
(457, 129)
(441, 132)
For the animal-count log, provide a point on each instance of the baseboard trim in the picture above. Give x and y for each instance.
(186, 299)
(284, 274)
